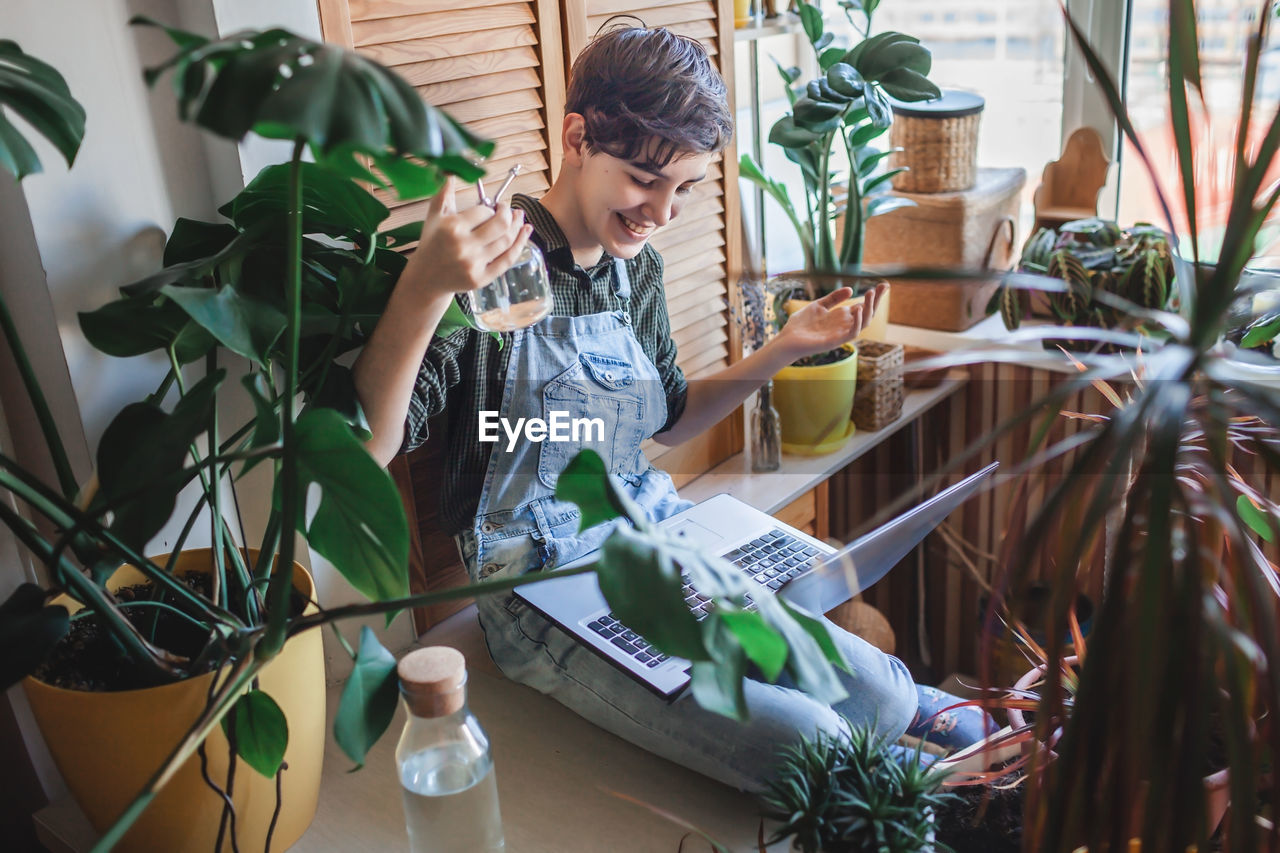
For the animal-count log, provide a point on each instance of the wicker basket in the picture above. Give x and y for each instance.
(971, 230)
(878, 400)
(939, 139)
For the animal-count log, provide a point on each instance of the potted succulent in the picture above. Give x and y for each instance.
(855, 792)
(293, 277)
(830, 132)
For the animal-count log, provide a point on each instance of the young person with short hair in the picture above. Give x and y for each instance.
(646, 114)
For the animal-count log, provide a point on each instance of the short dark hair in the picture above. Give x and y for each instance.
(635, 84)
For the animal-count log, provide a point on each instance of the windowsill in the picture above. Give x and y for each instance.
(555, 787)
(770, 492)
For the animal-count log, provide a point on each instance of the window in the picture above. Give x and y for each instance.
(1223, 28)
(1011, 52)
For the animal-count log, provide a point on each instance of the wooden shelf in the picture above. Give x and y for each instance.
(772, 491)
(759, 28)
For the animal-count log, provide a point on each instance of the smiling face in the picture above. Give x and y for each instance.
(615, 205)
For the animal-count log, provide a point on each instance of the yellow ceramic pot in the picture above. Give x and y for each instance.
(107, 745)
(814, 406)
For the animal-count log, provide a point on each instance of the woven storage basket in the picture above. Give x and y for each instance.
(878, 400)
(972, 230)
(939, 139)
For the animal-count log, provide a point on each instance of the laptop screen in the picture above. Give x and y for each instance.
(861, 563)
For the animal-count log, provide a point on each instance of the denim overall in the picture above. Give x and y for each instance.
(592, 366)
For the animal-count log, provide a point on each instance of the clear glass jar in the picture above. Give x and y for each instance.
(519, 297)
(446, 772)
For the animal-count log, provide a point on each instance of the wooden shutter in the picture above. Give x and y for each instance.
(497, 67)
(701, 248)
(494, 65)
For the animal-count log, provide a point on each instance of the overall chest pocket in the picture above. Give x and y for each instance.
(597, 403)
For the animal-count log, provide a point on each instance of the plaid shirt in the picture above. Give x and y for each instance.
(475, 356)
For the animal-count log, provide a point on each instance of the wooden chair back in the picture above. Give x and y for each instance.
(1070, 185)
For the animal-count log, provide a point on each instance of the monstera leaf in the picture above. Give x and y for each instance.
(39, 95)
(283, 86)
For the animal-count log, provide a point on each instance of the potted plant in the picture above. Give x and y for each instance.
(848, 103)
(1186, 627)
(293, 277)
(1093, 257)
(1020, 754)
(841, 794)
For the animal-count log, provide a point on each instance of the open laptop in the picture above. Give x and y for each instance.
(804, 570)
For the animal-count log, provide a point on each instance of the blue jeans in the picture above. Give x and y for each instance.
(535, 652)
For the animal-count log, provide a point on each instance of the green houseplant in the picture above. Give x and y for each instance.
(848, 103)
(830, 134)
(854, 793)
(294, 277)
(1093, 256)
(1186, 630)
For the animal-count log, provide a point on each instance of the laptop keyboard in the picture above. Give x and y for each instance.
(771, 560)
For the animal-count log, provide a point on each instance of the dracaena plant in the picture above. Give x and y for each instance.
(832, 128)
(293, 276)
(1187, 630)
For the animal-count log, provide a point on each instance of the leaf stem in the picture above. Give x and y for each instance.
(94, 598)
(160, 605)
(282, 573)
(48, 426)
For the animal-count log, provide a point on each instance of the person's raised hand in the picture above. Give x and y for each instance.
(461, 251)
(826, 323)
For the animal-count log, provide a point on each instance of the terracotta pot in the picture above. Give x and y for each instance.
(108, 745)
(1217, 788)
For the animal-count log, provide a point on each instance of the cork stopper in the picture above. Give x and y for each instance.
(433, 681)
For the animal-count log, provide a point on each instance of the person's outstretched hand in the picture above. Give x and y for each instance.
(461, 251)
(826, 324)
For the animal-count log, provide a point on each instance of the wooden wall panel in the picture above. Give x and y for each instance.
(496, 66)
(933, 598)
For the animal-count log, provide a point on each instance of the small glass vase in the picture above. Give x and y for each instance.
(766, 433)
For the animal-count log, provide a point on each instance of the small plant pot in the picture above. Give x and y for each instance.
(815, 405)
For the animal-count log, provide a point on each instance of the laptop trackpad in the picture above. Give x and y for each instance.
(694, 533)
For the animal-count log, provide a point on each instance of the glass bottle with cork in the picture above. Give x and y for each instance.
(446, 771)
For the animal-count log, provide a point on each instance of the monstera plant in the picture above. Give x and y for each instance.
(293, 275)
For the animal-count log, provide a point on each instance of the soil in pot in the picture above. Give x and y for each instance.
(87, 658)
(831, 356)
(983, 819)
